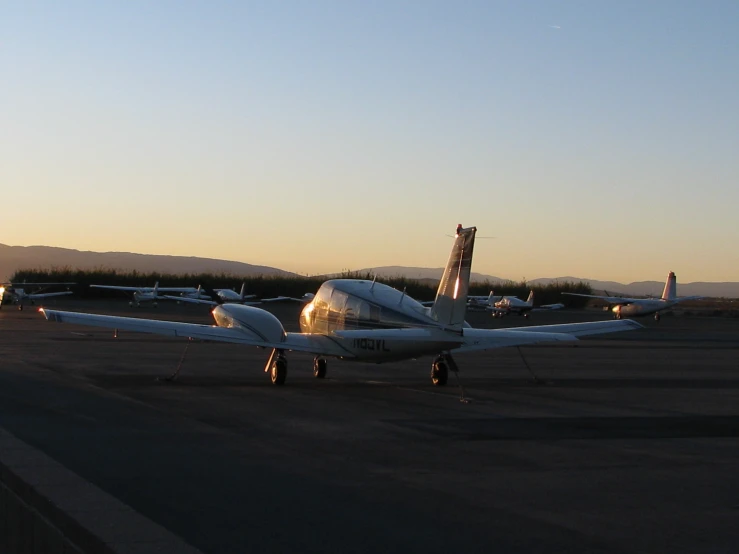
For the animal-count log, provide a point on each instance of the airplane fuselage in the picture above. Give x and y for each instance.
(346, 305)
(641, 307)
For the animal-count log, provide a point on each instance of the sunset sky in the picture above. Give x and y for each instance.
(592, 139)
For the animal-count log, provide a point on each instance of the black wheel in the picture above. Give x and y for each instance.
(20, 307)
(278, 371)
(439, 373)
(319, 367)
(618, 315)
(656, 316)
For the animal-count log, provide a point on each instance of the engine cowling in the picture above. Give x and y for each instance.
(257, 322)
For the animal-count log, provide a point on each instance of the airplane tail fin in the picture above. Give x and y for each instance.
(156, 289)
(530, 299)
(243, 289)
(670, 292)
(450, 305)
(491, 298)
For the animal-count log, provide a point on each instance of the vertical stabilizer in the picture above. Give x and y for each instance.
(243, 290)
(450, 305)
(670, 292)
(530, 299)
(491, 298)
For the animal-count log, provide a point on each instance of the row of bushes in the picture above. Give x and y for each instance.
(272, 285)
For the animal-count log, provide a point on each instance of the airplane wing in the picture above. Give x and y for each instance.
(147, 289)
(484, 339)
(548, 307)
(188, 299)
(202, 300)
(292, 341)
(305, 299)
(609, 299)
(36, 296)
(683, 298)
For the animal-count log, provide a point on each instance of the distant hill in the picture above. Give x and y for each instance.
(13, 258)
(638, 288)
(420, 273)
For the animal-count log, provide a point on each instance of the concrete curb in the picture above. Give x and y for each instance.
(46, 508)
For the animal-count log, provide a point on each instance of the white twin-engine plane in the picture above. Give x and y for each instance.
(635, 307)
(355, 319)
(151, 294)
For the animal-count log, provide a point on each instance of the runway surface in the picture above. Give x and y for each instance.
(628, 444)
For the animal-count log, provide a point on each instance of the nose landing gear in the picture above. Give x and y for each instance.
(443, 364)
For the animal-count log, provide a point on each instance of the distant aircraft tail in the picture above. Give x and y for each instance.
(450, 305)
(243, 290)
(530, 299)
(670, 292)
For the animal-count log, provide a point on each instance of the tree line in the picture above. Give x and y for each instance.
(267, 286)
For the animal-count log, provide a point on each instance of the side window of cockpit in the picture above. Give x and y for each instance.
(336, 310)
(352, 311)
(374, 313)
(320, 315)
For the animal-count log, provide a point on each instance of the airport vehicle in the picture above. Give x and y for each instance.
(636, 307)
(151, 294)
(513, 305)
(17, 292)
(362, 320)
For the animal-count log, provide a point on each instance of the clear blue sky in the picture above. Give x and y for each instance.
(596, 139)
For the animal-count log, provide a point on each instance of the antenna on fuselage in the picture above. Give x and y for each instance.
(401, 297)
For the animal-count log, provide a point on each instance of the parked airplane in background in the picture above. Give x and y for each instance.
(621, 306)
(513, 305)
(481, 303)
(149, 294)
(361, 320)
(223, 296)
(16, 292)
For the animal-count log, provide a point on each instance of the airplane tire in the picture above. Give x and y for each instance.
(319, 368)
(618, 315)
(20, 307)
(278, 371)
(656, 316)
(439, 373)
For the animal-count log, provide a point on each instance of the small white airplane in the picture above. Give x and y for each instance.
(361, 320)
(636, 307)
(150, 294)
(17, 294)
(223, 296)
(513, 305)
(481, 302)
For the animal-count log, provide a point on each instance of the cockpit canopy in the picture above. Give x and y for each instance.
(359, 304)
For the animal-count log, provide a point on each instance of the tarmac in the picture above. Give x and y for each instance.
(625, 443)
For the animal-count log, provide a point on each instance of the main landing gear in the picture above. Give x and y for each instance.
(319, 367)
(440, 369)
(656, 316)
(277, 367)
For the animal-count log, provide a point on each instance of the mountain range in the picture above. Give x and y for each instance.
(13, 258)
